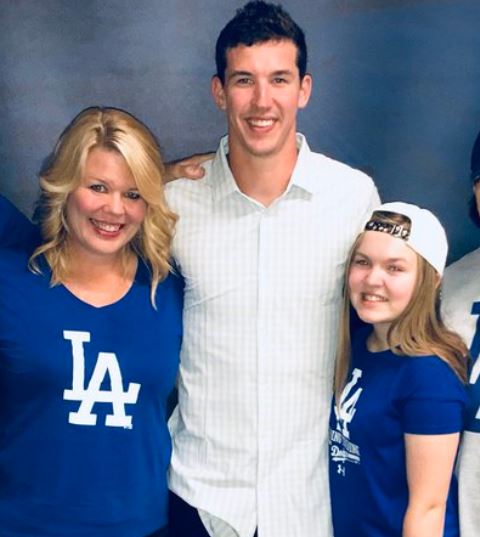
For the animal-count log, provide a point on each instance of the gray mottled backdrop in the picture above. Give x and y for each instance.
(396, 86)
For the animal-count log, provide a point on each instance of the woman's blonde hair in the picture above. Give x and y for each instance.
(417, 331)
(113, 130)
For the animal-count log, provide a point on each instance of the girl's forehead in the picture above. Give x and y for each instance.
(380, 244)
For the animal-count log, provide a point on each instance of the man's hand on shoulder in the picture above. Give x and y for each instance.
(190, 167)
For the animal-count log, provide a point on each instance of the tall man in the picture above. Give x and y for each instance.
(261, 241)
(461, 309)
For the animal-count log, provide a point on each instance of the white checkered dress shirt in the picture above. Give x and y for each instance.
(262, 295)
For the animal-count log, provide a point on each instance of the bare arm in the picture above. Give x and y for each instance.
(430, 460)
(190, 167)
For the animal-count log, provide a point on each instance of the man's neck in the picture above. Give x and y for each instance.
(263, 178)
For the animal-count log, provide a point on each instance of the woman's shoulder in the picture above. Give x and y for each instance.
(428, 363)
(431, 376)
(172, 279)
(169, 290)
(173, 285)
(17, 278)
(430, 398)
(16, 230)
(13, 258)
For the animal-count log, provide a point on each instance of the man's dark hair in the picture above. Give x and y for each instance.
(475, 160)
(475, 177)
(258, 22)
(473, 211)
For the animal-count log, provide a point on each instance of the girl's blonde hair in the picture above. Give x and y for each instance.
(113, 130)
(417, 331)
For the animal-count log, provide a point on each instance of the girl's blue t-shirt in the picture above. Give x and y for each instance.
(84, 443)
(387, 396)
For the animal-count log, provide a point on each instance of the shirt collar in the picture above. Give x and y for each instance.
(221, 179)
(223, 183)
(304, 175)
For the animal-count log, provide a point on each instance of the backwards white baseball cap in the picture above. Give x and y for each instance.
(426, 235)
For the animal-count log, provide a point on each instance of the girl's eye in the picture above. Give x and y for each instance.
(97, 187)
(395, 268)
(132, 195)
(360, 261)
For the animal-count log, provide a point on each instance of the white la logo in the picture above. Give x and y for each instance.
(347, 404)
(106, 363)
(475, 373)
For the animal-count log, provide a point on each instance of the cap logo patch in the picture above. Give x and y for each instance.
(396, 230)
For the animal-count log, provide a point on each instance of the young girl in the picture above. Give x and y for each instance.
(399, 387)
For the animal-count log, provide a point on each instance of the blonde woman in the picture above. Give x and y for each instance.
(399, 386)
(90, 332)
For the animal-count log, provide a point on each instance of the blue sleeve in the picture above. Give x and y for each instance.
(16, 230)
(433, 399)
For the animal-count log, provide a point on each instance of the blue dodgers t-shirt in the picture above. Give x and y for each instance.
(472, 421)
(84, 444)
(385, 397)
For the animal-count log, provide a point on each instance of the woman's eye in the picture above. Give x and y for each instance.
(97, 188)
(133, 195)
(360, 262)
